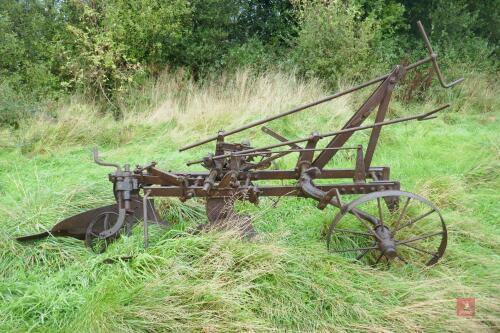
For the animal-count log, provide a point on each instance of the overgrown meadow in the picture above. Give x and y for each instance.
(284, 280)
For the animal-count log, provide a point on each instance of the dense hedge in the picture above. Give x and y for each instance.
(100, 47)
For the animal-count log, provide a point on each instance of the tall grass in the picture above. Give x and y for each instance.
(284, 280)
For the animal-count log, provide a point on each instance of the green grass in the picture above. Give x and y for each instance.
(284, 280)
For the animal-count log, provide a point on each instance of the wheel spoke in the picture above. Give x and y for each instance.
(419, 249)
(380, 211)
(403, 213)
(401, 258)
(366, 225)
(411, 212)
(357, 249)
(365, 252)
(106, 218)
(418, 238)
(378, 259)
(353, 232)
(413, 221)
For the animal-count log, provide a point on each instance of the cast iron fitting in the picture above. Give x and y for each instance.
(386, 242)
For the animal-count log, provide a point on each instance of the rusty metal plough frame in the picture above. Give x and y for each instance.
(234, 169)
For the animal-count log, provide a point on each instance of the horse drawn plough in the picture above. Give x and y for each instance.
(382, 224)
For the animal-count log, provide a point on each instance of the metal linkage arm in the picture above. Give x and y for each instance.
(98, 161)
(419, 117)
(277, 136)
(382, 93)
(433, 57)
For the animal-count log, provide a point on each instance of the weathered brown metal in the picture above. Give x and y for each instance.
(386, 242)
(382, 110)
(420, 117)
(76, 225)
(238, 171)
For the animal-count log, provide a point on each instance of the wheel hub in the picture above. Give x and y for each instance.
(386, 242)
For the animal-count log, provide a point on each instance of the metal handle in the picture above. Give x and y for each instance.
(429, 115)
(98, 161)
(433, 56)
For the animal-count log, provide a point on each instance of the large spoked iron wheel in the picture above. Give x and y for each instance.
(93, 239)
(389, 226)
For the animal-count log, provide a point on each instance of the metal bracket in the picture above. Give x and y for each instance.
(328, 197)
(360, 171)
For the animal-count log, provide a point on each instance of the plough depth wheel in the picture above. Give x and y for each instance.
(412, 231)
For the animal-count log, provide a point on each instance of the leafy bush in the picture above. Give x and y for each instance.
(338, 40)
(107, 43)
(26, 50)
(14, 106)
(102, 47)
(453, 26)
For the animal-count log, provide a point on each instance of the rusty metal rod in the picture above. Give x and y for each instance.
(145, 217)
(433, 57)
(277, 136)
(303, 107)
(422, 116)
(293, 151)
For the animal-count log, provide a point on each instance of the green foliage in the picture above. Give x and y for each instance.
(26, 50)
(226, 33)
(213, 25)
(337, 41)
(99, 47)
(103, 47)
(151, 32)
(105, 44)
(463, 31)
(453, 25)
(14, 105)
(252, 54)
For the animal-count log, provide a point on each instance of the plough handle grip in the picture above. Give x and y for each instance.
(433, 56)
(98, 161)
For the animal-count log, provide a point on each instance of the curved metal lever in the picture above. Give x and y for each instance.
(434, 59)
(98, 161)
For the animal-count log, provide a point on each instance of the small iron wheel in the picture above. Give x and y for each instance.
(411, 230)
(104, 221)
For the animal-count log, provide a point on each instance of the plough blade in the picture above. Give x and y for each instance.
(76, 225)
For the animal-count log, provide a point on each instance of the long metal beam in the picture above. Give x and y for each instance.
(433, 57)
(423, 116)
(303, 107)
(267, 191)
